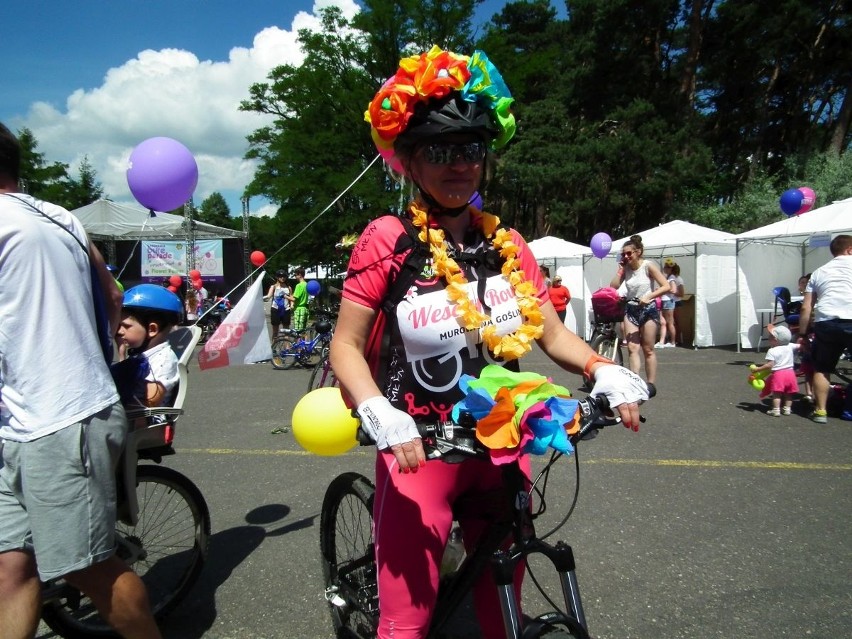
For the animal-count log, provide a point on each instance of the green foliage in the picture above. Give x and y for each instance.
(51, 181)
(215, 210)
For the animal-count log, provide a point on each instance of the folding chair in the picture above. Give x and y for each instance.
(789, 310)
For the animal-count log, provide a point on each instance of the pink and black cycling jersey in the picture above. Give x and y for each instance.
(428, 349)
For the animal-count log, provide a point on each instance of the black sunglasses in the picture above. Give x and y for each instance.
(447, 153)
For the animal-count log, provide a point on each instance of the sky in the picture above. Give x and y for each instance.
(94, 78)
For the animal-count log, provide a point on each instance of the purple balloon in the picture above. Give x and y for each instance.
(601, 244)
(314, 288)
(791, 201)
(161, 174)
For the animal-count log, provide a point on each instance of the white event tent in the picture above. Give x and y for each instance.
(107, 220)
(566, 259)
(707, 259)
(777, 255)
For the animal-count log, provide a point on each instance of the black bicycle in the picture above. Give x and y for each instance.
(347, 550)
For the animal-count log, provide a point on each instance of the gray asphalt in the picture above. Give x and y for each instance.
(714, 520)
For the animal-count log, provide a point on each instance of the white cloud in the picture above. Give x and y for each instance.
(172, 93)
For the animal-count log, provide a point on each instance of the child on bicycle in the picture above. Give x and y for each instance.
(147, 371)
(782, 383)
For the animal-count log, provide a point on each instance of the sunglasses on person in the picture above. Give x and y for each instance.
(447, 152)
(626, 253)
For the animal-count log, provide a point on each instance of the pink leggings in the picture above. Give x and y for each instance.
(412, 517)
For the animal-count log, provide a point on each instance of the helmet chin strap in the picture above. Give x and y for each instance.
(437, 209)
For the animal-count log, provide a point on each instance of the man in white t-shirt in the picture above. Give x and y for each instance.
(828, 301)
(62, 425)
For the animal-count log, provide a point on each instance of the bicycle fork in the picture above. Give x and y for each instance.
(503, 565)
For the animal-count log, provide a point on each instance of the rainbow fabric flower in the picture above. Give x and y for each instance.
(433, 75)
(518, 413)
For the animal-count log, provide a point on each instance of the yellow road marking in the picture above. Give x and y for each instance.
(691, 463)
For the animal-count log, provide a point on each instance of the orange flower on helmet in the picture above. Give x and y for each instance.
(389, 111)
(435, 73)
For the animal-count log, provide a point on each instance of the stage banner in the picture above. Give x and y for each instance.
(161, 259)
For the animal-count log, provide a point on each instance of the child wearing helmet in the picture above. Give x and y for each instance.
(147, 371)
(479, 299)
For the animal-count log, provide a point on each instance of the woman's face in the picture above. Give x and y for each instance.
(631, 255)
(449, 168)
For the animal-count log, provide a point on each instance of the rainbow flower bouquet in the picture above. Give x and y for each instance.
(518, 413)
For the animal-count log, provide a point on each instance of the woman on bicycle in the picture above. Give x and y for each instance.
(642, 280)
(479, 299)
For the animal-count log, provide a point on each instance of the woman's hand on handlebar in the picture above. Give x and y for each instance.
(624, 390)
(394, 429)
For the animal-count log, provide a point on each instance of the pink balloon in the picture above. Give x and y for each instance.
(808, 199)
(161, 174)
(389, 156)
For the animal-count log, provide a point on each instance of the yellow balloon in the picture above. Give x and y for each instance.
(322, 424)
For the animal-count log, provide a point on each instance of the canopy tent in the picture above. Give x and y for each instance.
(777, 255)
(106, 220)
(565, 259)
(707, 259)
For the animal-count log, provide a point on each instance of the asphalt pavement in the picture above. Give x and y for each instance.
(714, 520)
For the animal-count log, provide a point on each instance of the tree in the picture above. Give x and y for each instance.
(214, 210)
(83, 191)
(38, 178)
(319, 142)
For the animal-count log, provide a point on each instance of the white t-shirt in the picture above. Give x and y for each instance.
(164, 369)
(782, 356)
(52, 369)
(832, 284)
(638, 282)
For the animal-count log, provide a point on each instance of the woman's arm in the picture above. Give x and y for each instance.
(574, 355)
(616, 281)
(663, 285)
(347, 354)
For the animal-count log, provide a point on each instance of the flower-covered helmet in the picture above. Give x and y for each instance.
(440, 92)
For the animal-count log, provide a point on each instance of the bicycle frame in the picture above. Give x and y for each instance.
(504, 563)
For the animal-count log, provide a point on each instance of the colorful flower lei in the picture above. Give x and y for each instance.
(433, 75)
(515, 344)
(518, 413)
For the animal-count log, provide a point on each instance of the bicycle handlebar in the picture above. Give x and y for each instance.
(445, 438)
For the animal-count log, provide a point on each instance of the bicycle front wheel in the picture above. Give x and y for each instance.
(348, 556)
(167, 549)
(283, 353)
(322, 375)
(608, 347)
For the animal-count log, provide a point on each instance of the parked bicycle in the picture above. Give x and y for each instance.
(322, 375)
(347, 549)
(292, 347)
(608, 310)
(163, 521)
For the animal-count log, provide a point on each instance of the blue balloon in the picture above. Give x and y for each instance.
(314, 288)
(791, 201)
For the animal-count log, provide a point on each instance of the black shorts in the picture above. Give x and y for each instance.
(830, 338)
(280, 317)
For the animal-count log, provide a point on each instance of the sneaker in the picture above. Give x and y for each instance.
(659, 345)
(785, 410)
(669, 345)
(773, 412)
(846, 416)
(807, 399)
(819, 417)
